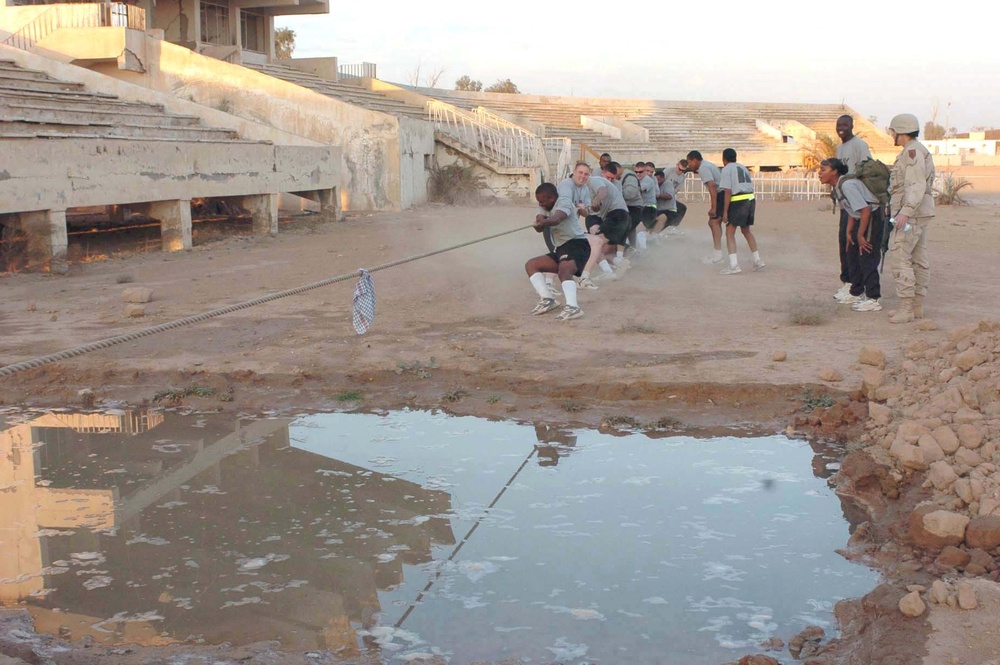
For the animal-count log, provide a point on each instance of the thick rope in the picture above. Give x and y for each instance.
(198, 318)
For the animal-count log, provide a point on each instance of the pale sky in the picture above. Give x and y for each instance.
(862, 54)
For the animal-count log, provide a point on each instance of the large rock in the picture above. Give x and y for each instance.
(934, 529)
(879, 413)
(967, 596)
(946, 438)
(970, 436)
(983, 532)
(137, 294)
(968, 359)
(911, 431)
(911, 605)
(757, 659)
(939, 592)
(952, 557)
(932, 451)
(942, 475)
(805, 641)
(967, 415)
(830, 375)
(871, 380)
(967, 457)
(963, 488)
(908, 455)
(869, 355)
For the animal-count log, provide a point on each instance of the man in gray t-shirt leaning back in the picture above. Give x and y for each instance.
(569, 257)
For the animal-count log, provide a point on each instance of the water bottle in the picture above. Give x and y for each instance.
(906, 227)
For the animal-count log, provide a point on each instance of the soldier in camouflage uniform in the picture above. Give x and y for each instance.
(911, 191)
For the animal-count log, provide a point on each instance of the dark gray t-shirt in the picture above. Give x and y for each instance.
(709, 172)
(667, 188)
(613, 200)
(649, 191)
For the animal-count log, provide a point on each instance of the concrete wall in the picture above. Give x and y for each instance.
(325, 68)
(618, 128)
(72, 173)
(416, 149)
(369, 140)
(967, 147)
(510, 184)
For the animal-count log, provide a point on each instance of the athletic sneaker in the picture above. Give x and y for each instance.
(709, 260)
(845, 290)
(849, 299)
(587, 283)
(758, 265)
(867, 305)
(553, 289)
(672, 231)
(570, 313)
(606, 277)
(545, 305)
(735, 270)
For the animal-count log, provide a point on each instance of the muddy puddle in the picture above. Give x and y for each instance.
(413, 533)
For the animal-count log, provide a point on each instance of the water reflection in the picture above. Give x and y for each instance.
(414, 533)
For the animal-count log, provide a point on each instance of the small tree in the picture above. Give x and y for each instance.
(933, 131)
(506, 86)
(468, 84)
(284, 43)
(816, 151)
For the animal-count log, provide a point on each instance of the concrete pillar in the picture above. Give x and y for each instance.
(47, 240)
(264, 209)
(175, 223)
(329, 204)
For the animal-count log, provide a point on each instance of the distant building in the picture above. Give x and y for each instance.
(966, 145)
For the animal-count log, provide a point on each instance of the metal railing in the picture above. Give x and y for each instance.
(77, 15)
(558, 153)
(501, 141)
(366, 70)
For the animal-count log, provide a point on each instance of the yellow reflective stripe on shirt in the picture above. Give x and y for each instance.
(742, 197)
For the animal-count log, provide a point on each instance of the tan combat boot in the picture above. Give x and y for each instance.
(905, 312)
(918, 307)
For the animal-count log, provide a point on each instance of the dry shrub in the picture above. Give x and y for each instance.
(813, 311)
(455, 185)
(950, 188)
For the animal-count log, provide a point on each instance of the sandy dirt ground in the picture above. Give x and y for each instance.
(672, 341)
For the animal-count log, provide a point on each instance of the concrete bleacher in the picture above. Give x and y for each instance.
(64, 145)
(674, 127)
(345, 92)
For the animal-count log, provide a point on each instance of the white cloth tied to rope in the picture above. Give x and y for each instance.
(364, 302)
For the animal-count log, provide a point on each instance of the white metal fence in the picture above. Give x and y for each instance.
(773, 186)
(503, 142)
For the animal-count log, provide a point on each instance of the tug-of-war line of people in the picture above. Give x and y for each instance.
(625, 210)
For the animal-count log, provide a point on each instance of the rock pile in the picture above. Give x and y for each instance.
(936, 419)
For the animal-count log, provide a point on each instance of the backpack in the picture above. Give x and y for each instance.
(874, 175)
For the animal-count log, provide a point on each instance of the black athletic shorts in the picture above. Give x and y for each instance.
(615, 227)
(720, 203)
(741, 213)
(577, 250)
(649, 216)
(635, 216)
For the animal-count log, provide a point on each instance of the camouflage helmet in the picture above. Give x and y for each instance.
(905, 123)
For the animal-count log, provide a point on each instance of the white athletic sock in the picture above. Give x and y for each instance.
(640, 239)
(605, 266)
(538, 281)
(620, 253)
(569, 288)
(756, 257)
(732, 261)
(718, 254)
(549, 278)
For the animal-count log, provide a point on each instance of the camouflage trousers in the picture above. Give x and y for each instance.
(908, 259)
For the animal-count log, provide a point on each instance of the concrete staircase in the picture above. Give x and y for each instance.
(345, 92)
(35, 105)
